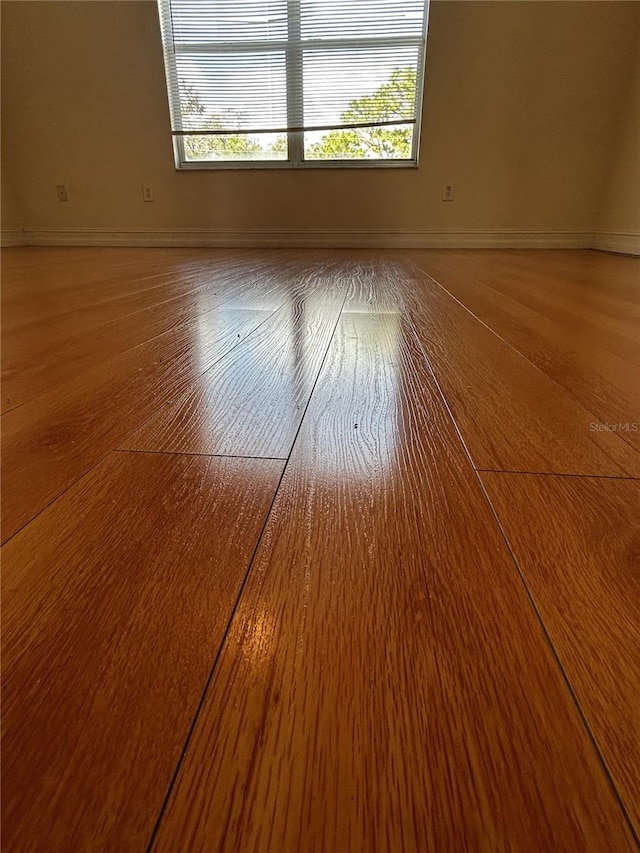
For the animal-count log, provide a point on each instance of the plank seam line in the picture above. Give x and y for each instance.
(180, 396)
(214, 666)
(566, 391)
(572, 693)
(196, 453)
(581, 713)
(180, 325)
(558, 474)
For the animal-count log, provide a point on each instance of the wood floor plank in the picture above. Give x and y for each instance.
(115, 601)
(130, 290)
(54, 439)
(39, 356)
(581, 561)
(575, 281)
(386, 684)
(586, 299)
(251, 403)
(579, 276)
(57, 321)
(603, 382)
(44, 365)
(512, 417)
(54, 284)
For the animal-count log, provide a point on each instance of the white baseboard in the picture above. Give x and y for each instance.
(270, 238)
(12, 238)
(626, 242)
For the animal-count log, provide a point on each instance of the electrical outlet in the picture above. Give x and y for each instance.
(61, 190)
(147, 192)
(447, 192)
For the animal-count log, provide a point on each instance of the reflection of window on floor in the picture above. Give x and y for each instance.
(359, 421)
(294, 82)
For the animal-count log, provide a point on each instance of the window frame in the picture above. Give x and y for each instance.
(295, 139)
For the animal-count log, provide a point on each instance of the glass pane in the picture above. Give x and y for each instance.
(240, 147)
(363, 143)
(359, 85)
(221, 21)
(335, 19)
(352, 86)
(232, 91)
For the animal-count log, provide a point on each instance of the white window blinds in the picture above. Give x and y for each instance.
(294, 81)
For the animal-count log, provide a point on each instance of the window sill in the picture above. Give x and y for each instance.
(205, 166)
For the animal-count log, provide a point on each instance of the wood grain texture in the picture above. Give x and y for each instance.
(43, 353)
(511, 416)
(581, 561)
(251, 403)
(66, 316)
(591, 295)
(52, 285)
(57, 436)
(48, 443)
(115, 601)
(580, 359)
(48, 366)
(386, 684)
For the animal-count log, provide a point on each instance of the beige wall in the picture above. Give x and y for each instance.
(520, 108)
(620, 207)
(10, 214)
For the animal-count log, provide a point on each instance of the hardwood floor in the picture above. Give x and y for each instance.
(116, 599)
(581, 566)
(320, 550)
(251, 405)
(594, 359)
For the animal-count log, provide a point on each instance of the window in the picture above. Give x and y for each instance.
(294, 83)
